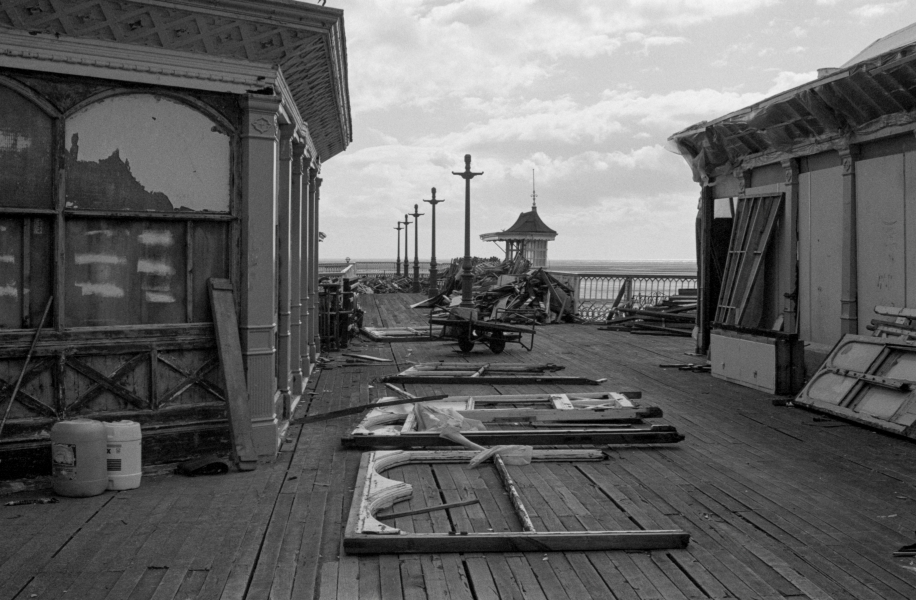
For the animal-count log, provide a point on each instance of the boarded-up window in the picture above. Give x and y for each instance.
(145, 221)
(141, 159)
(26, 182)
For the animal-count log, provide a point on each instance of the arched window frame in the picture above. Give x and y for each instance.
(194, 303)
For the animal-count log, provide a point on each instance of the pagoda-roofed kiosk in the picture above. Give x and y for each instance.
(528, 235)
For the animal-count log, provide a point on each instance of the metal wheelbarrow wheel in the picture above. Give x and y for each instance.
(497, 342)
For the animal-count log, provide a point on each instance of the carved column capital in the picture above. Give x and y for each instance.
(286, 141)
(260, 116)
(298, 153)
(744, 179)
(848, 157)
(790, 171)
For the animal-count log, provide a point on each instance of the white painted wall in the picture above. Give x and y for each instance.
(820, 242)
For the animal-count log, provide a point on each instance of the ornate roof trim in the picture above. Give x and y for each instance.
(306, 41)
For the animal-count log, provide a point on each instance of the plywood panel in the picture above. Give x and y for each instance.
(822, 239)
(745, 362)
(881, 234)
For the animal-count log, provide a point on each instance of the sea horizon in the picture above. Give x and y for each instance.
(680, 266)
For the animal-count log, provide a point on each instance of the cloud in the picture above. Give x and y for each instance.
(786, 80)
(566, 121)
(553, 169)
(871, 11)
(427, 54)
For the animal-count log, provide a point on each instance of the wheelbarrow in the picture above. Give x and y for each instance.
(463, 326)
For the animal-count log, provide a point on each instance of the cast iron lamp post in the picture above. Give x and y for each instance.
(433, 272)
(406, 260)
(416, 214)
(467, 279)
(397, 263)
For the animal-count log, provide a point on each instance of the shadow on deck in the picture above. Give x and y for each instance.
(779, 502)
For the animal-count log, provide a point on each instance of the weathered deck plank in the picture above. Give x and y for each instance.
(778, 504)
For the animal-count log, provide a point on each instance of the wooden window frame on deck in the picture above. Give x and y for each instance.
(364, 534)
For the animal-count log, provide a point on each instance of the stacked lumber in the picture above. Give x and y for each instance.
(901, 326)
(674, 316)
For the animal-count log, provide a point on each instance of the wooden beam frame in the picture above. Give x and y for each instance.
(364, 534)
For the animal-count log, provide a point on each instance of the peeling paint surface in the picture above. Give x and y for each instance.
(156, 238)
(98, 259)
(128, 272)
(154, 268)
(174, 153)
(159, 297)
(104, 290)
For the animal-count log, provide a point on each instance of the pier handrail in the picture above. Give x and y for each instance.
(597, 294)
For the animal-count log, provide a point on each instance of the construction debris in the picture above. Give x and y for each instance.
(496, 373)
(675, 316)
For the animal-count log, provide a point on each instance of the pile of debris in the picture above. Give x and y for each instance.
(535, 297)
(387, 284)
(486, 273)
(674, 316)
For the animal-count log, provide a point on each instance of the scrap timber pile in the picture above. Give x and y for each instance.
(386, 284)
(535, 297)
(674, 316)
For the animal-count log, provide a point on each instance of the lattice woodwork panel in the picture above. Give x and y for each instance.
(106, 383)
(35, 398)
(188, 377)
(304, 55)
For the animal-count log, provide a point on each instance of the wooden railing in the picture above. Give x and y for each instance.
(597, 294)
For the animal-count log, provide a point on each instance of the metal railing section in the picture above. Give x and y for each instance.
(596, 295)
(336, 270)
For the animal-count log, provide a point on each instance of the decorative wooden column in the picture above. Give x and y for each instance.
(258, 288)
(849, 290)
(305, 283)
(284, 256)
(788, 284)
(313, 268)
(295, 281)
(316, 336)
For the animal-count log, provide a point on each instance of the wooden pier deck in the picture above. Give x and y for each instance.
(779, 502)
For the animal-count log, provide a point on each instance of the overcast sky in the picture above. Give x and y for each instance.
(586, 93)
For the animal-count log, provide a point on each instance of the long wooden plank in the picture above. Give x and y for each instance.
(515, 542)
(222, 304)
(590, 435)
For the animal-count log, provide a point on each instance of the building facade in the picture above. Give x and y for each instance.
(835, 162)
(145, 148)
